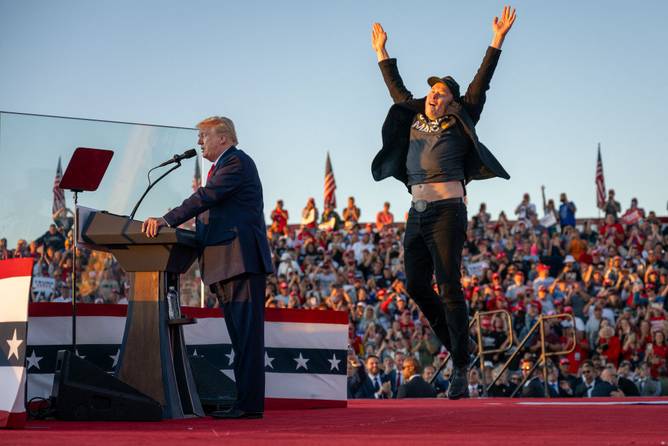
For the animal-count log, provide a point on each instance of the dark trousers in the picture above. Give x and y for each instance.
(242, 301)
(433, 246)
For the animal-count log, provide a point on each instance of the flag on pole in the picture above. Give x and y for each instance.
(330, 184)
(197, 179)
(600, 181)
(15, 277)
(58, 193)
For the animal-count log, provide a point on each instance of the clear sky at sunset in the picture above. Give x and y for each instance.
(299, 78)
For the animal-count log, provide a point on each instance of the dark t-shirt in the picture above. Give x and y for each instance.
(437, 150)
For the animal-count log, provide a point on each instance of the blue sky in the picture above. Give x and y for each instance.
(300, 78)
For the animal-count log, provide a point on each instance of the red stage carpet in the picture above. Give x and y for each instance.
(406, 422)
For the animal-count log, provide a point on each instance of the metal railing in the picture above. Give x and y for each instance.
(544, 354)
(475, 321)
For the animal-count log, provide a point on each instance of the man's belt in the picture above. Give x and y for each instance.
(422, 205)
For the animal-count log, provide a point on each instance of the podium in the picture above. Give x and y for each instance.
(153, 357)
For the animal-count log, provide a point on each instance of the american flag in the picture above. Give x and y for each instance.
(197, 179)
(600, 180)
(330, 184)
(58, 193)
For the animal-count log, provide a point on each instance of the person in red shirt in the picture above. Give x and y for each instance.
(279, 219)
(608, 345)
(581, 351)
(384, 217)
(612, 229)
(657, 353)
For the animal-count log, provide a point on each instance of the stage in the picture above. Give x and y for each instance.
(598, 421)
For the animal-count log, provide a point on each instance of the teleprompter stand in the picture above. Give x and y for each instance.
(84, 173)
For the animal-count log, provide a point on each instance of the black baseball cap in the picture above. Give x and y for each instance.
(452, 84)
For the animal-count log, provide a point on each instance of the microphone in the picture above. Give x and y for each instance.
(185, 155)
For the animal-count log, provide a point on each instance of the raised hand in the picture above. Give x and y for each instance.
(502, 25)
(378, 41)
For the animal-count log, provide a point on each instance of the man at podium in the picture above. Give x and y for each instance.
(235, 257)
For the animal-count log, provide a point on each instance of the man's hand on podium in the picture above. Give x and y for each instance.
(152, 225)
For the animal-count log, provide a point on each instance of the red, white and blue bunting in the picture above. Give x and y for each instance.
(15, 276)
(305, 351)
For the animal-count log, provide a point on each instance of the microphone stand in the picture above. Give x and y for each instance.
(150, 186)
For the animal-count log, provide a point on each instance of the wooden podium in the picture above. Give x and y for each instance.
(153, 357)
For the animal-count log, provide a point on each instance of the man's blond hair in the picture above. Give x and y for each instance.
(221, 125)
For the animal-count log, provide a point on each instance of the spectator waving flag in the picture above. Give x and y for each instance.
(600, 181)
(15, 277)
(58, 193)
(330, 184)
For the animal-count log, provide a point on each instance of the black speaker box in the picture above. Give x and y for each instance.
(85, 392)
(216, 391)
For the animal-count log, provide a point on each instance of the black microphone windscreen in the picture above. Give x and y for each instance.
(189, 153)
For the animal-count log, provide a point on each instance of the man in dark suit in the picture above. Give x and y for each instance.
(430, 145)
(395, 376)
(535, 386)
(234, 257)
(590, 384)
(414, 386)
(647, 386)
(369, 382)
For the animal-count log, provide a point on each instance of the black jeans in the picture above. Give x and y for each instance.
(433, 245)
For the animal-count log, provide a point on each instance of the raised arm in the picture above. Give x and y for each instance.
(388, 67)
(475, 97)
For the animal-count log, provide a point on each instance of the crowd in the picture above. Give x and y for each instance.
(610, 275)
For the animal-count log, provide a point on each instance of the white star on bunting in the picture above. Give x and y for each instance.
(14, 344)
(268, 361)
(301, 362)
(115, 357)
(230, 356)
(334, 363)
(195, 353)
(33, 360)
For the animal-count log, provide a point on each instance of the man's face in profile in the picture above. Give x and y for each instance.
(437, 100)
(212, 143)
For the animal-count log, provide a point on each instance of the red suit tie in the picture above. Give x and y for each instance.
(210, 172)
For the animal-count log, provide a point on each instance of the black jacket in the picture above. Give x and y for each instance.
(480, 164)
(416, 388)
(601, 388)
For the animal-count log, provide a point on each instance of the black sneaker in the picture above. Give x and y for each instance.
(459, 384)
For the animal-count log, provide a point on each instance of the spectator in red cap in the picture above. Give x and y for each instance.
(566, 376)
(543, 277)
(517, 288)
